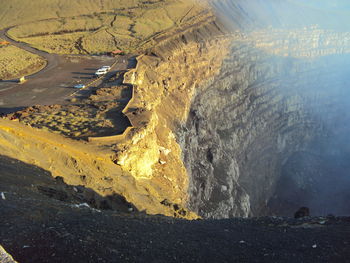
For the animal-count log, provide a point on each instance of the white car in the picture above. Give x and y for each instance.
(108, 68)
(79, 86)
(101, 72)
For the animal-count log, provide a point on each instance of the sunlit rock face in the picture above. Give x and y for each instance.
(245, 113)
(282, 97)
(5, 257)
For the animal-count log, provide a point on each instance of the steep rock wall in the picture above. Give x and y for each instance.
(237, 118)
(76, 162)
(245, 123)
(146, 168)
(219, 113)
(164, 82)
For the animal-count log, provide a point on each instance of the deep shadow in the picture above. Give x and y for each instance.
(36, 183)
(82, 77)
(126, 93)
(9, 81)
(319, 181)
(85, 93)
(132, 62)
(119, 120)
(116, 78)
(37, 226)
(82, 73)
(11, 109)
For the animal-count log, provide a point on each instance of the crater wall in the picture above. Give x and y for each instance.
(246, 123)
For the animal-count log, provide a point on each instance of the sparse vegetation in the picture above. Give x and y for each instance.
(80, 27)
(73, 121)
(97, 116)
(15, 62)
(60, 44)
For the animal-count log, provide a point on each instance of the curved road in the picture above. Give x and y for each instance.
(51, 59)
(54, 83)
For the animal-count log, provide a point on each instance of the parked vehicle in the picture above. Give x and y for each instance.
(79, 86)
(108, 68)
(100, 72)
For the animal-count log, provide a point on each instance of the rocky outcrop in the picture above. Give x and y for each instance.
(237, 126)
(149, 157)
(272, 98)
(5, 257)
(245, 123)
(164, 83)
(82, 164)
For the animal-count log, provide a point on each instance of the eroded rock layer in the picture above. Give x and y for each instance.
(245, 123)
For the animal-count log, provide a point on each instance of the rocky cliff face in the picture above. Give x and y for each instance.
(245, 123)
(149, 157)
(238, 113)
(280, 92)
(164, 83)
(219, 112)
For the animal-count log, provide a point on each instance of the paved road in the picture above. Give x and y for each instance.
(55, 82)
(122, 63)
(52, 59)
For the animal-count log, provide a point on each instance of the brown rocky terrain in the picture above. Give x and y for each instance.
(229, 117)
(202, 99)
(153, 157)
(45, 220)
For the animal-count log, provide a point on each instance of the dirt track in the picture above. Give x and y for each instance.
(55, 82)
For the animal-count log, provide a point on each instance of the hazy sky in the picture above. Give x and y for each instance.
(330, 4)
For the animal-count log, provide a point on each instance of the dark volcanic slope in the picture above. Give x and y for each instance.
(36, 227)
